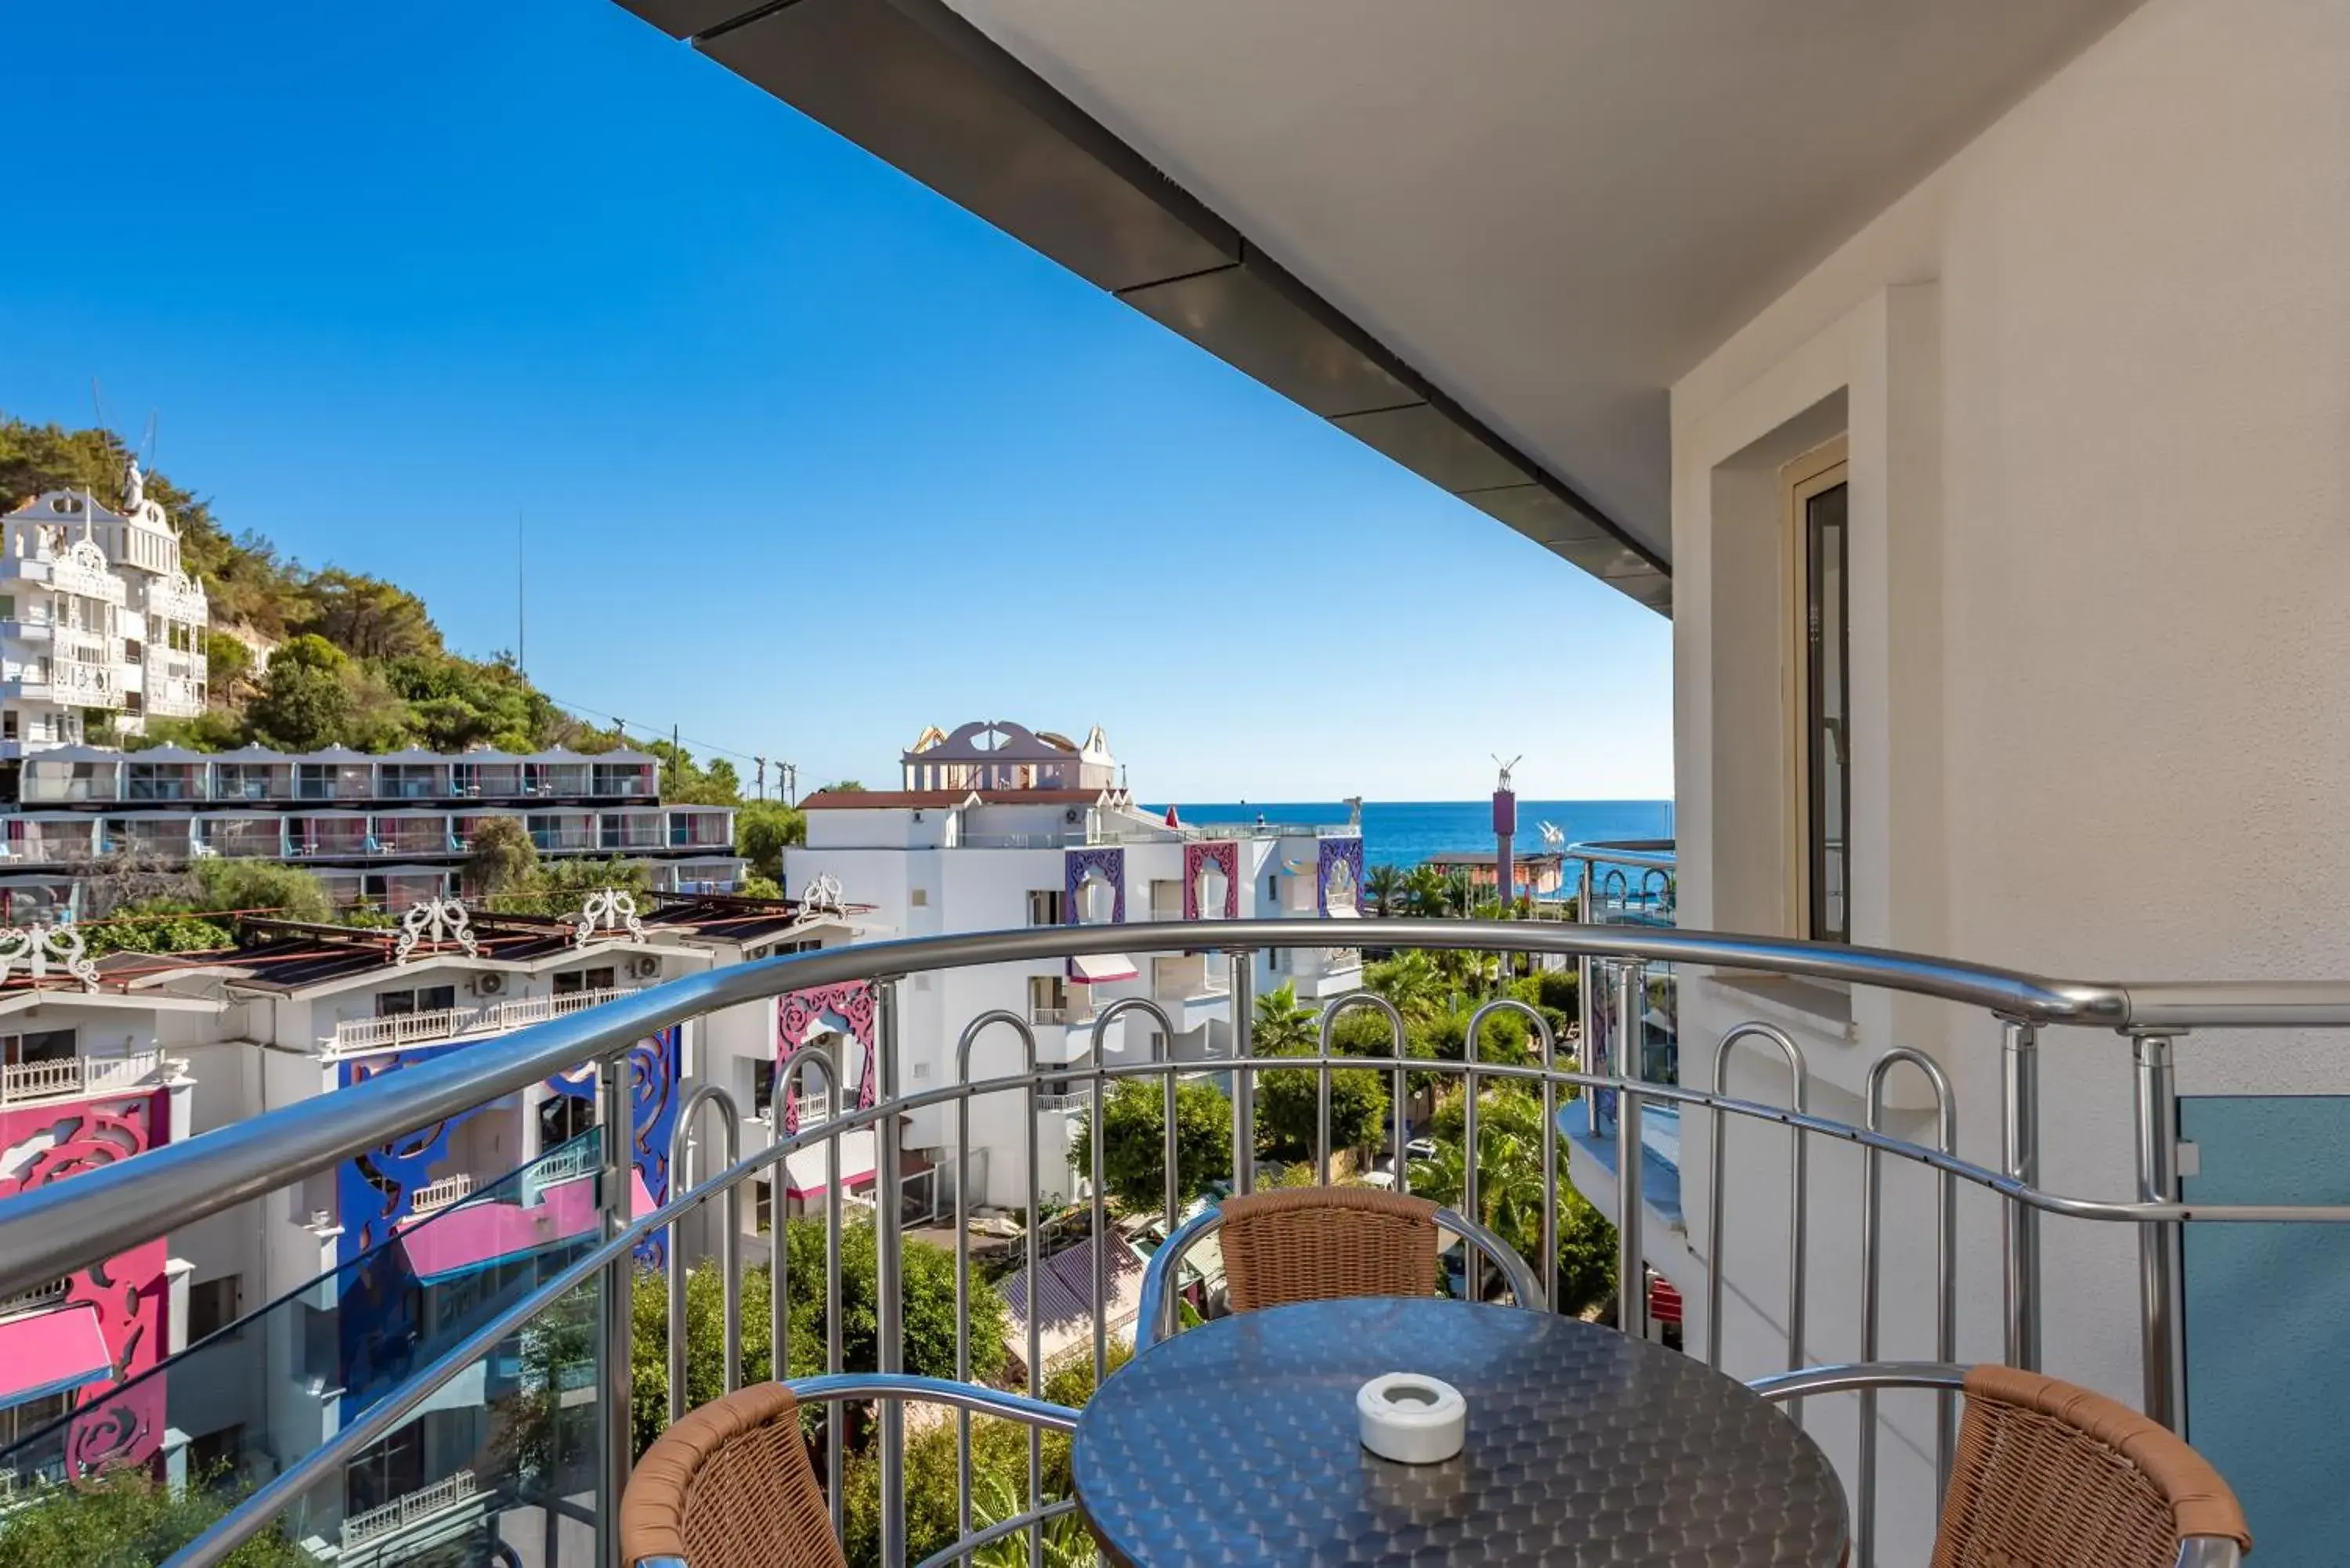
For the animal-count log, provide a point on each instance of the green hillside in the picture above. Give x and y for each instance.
(357, 660)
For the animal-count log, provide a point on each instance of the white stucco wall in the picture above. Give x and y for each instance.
(2096, 373)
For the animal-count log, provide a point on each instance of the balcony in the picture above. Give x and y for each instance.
(1490, 1151)
(367, 1536)
(357, 1036)
(79, 1078)
(435, 1196)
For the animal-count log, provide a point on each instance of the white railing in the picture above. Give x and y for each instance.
(75, 1077)
(435, 1196)
(40, 1298)
(414, 1509)
(353, 1035)
(553, 1170)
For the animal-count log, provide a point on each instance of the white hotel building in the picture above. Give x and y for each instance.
(997, 827)
(97, 615)
(111, 1060)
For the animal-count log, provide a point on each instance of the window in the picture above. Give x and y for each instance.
(763, 1205)
(1045, 907)
(1818, 497)
(423, 999)
(216, 1451)
(36, 1045)
(20, 1421)
(562, 1117)
(579, 979)
(212, 1307)
(763, 1088)
(1048, 999)
(919, 898)
(132, 652)
(8, 725)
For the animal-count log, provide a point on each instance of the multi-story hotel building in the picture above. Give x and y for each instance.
(997, 827)
(385, 830)
(105, 1060)
(97, 615)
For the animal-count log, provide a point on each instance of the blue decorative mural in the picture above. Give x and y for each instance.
(379, 1294)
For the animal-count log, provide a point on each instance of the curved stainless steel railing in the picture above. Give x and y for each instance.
(65, 1226)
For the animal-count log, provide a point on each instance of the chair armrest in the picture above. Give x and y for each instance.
(935, 1391)
(1811, 1380)
(1155, 1320)
(1524, 1288)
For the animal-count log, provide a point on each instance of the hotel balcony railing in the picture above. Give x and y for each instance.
(354, 1036)
(407, 1512)
(435, 1196)
(76, 1077)
(549, 1356)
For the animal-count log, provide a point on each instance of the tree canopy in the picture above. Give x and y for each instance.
(1134, 1157)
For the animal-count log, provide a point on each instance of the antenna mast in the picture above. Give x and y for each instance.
(522, 622)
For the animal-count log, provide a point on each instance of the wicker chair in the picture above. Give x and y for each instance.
(730, 1486)
(1318, 1243)
(2049, 1474)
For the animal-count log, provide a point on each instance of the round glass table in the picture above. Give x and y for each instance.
(1235, 1443)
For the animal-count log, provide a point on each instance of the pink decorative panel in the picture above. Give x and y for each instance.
(128, 1292)
(1224, 855)
(843, 1008)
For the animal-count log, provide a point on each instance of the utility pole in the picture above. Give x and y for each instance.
(763, 776)
(790, 781)
(675, 757)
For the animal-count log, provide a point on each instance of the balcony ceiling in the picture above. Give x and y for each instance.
(1483, 238)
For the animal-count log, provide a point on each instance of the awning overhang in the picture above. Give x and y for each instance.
(44, 1354)
(1101, 969)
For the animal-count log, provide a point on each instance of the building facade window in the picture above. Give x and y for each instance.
(1045, 907)
(1819, 545)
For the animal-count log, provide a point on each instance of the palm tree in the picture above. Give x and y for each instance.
(1283, 1025)
(1424, 892)
(1411, 982)
(1385, 886)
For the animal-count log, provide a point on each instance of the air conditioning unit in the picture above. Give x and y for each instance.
(489, 984)
(1073, 816)
(645, 966)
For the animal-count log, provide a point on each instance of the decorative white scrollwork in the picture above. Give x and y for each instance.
(37, 946)
(608, 909)
(435, 920)
(821, 896)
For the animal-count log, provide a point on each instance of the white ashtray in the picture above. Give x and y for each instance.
(1411, 1419)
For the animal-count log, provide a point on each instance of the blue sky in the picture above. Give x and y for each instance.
(808, 457)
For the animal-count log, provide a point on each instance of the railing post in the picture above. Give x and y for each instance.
(2160, 1273)
(888, 1282)
(1243, 1080)
(1632, 1277)
(614, 1114)
(1587, 1005)
(2021, 1223)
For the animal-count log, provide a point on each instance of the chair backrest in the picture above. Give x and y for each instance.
(2050, 1473)
(1314, 1243)
(730, 1487)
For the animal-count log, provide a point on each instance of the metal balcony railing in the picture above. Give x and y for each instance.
(563, 1336)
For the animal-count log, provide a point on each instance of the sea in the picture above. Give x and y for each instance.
(1403, 833)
